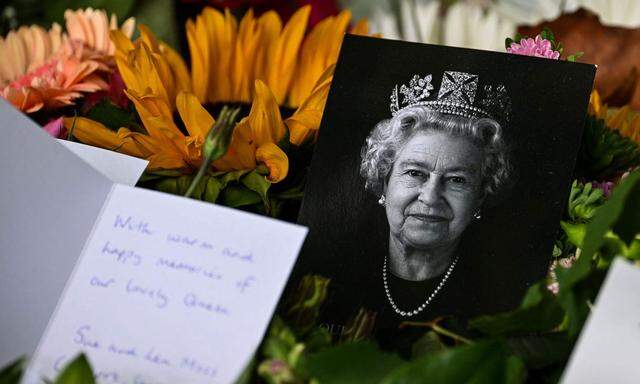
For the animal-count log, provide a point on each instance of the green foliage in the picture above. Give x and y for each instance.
(487, 361)
(305, 302)
(604, 152)
(360, 362)
(78, 371)
(538, 312)
(360, 327)
(12, 373)
(234, 189)
(584, 200)
(575, 56)
(579, 284)
(110, 115)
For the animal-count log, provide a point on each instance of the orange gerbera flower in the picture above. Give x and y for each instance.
(47, 69)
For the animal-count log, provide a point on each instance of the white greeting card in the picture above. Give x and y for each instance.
(607, 350)
(118, 167)
(154, 288)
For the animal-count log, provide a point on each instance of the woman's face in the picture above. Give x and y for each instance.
(433, 190)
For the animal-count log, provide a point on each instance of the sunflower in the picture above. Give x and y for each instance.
(625, 120)
(257, 61)
(51, 69)
(254, 61)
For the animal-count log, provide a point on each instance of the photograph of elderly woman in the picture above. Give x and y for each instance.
(438, 179)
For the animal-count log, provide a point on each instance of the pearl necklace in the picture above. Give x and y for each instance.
(429, 299)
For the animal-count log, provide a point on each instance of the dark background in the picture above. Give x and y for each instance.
(511, 244)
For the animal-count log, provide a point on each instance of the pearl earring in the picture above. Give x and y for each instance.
(382, 200)
(477, 215)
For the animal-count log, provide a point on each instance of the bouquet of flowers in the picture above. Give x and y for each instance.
(236, 127)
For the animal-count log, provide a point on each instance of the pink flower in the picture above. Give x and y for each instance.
(539, 48)
(606, 186)
(56, 128)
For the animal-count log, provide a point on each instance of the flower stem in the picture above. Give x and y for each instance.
(437, 329)
(215, 145)
(445, 332)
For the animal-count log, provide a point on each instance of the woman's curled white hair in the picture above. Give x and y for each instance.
(389, 136)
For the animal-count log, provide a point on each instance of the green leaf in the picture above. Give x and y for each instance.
(212, 190)
(604, 152)
(77, 371)
(11, 373)
(538, 312)
(234, 196)
(429, 343)
(487, 361)
(575, 232)
(110, 115)
(575, 56)
(584, 201)
(615, 214)
(606, 218)
(538, 351)
(360, 362)
(259, 184)
(628, 224)
(303, 305)
(507, 42)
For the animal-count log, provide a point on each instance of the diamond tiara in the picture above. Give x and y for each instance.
(456, 96)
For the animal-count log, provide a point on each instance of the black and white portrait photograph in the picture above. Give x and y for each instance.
(438, 179)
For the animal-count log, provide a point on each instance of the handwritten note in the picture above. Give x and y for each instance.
(607, 350)
(170, 290)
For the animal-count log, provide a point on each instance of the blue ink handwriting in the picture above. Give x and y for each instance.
(197, 367)
(156, 358)
(133, 225)
(124, 256)
(98, 282)
(83, 339)
(186, 267)
(192, 301)
(156, 295)
(242, 285)
(125, 351)
(228, 252)
(181, 239)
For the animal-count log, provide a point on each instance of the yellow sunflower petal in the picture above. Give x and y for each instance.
(264, 118)
(94, 133)
(166, 160)
(149, 38)
(319, 51)
(241, 153)
(178, 68)
(197, 120)
(199, 50)
(157, 119)
(269, 25)
(304, 123)
(121, 41)
(619, 117)
(284, 54)
(275, 159)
